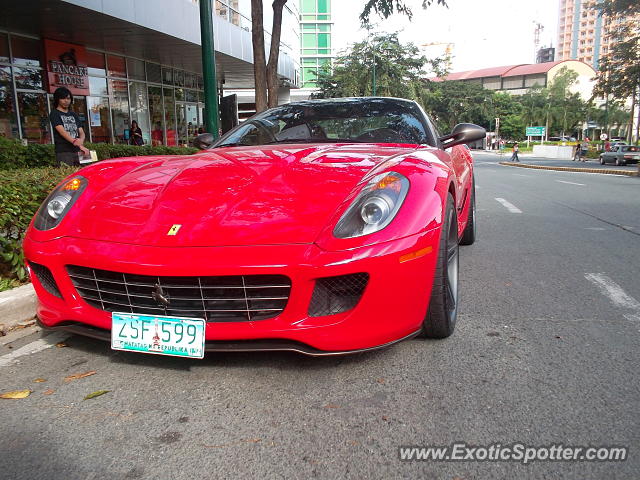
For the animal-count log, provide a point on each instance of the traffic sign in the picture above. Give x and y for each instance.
(603, 136)
(535, 131)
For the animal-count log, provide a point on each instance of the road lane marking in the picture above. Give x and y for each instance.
(598, 229)
(509, 206)
(519, 175)
(33, 347)
(614, 291)
(570, 183)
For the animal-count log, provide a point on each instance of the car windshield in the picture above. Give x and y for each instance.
(345, 120)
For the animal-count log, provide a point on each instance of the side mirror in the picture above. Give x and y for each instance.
(204, 141)
(463, 133)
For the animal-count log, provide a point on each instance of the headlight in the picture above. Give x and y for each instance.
(58, 203)
(375, 206)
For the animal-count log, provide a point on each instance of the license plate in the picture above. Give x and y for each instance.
(174, 336)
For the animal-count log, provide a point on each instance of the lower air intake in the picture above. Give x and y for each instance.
(45, 277)
(337, 294)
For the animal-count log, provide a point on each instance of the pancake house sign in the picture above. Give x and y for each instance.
(66, 67)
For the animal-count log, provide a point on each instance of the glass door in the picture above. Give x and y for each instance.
(188, 123)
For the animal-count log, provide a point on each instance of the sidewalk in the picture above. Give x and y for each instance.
(17, 306)
(590, 166)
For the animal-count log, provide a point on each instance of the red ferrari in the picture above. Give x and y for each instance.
(323, 227)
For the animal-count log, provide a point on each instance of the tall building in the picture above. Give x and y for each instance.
(582, 32)
(315, 27)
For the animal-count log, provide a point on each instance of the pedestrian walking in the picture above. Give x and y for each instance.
(68, 131)
(584, 148)
(514, 155)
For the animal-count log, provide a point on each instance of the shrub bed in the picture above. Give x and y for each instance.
(28, 175)
(14, 155)
(21, 193)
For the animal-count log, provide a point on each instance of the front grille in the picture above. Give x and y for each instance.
(238, 298)
(45, 277)
(337, 294)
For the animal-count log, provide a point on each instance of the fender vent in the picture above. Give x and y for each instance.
(337, 294)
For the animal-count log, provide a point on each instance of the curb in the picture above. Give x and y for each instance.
(17, 306)
(606, 171)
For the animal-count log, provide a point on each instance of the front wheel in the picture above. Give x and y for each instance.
(440, 320)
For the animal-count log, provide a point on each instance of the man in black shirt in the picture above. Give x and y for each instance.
(68, 132)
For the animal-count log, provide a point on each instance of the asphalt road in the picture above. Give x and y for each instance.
(546, 352)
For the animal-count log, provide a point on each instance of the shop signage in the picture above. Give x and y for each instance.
(66, 67)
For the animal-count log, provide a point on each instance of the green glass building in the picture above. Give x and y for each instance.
(315, 29)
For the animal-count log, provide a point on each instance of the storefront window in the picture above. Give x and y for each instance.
(140, 109)
(4, 48)
(120, 110)
(117, 66)
(170, 116)
(98, 86)
(34, 118)
(178, 78)
(167, 76)
(153, 73)
(135, 69)
(99, 119)
(155, 113)
(96, 64)
(191, 95)
(190, 80)
(8, 124)
(28, 78)
(26, 51)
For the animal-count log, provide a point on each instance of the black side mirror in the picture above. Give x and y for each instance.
(204, 141)
(463, 133)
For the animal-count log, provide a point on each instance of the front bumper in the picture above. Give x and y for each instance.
(391, 308)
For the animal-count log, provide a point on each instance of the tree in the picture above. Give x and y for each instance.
(452, 102)
(386, 8)
(398, 70)
(619, 69)
(265, 73)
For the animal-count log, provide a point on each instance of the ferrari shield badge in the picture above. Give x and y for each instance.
(174, 230)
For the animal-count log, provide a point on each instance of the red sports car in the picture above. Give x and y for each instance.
(323, 227)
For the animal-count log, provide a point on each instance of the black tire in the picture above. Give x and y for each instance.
(470, 231)
(440, 320)
(601, 160)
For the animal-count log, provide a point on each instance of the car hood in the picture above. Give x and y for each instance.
(282, 194)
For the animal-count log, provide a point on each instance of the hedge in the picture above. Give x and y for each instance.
(21, 193)
(14, 155)
(28, 175)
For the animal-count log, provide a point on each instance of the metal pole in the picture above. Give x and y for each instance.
(374, 69)
(209, 68)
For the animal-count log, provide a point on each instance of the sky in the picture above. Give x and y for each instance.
(485, 33)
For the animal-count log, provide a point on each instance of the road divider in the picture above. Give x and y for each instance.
(605, 171)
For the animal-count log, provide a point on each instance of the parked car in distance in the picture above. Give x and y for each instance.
(621, 155)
